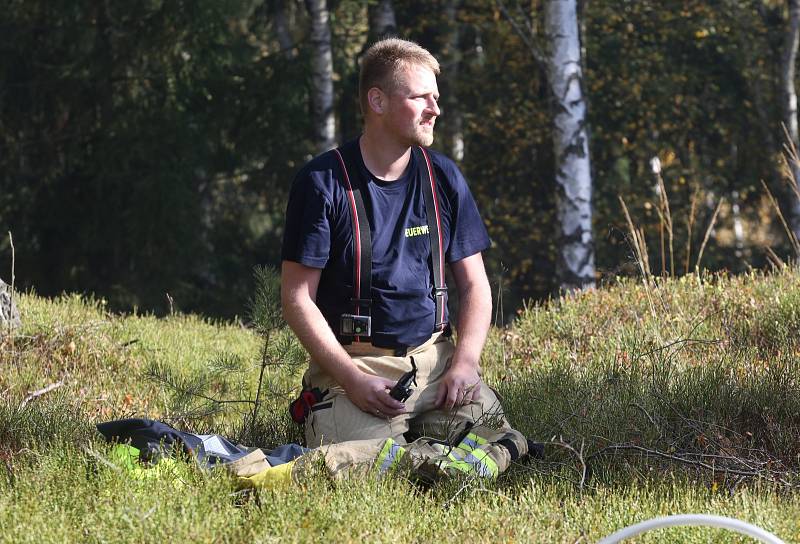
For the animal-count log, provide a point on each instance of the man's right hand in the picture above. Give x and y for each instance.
(371, 395)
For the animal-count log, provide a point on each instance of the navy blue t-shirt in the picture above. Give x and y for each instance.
(319, 234)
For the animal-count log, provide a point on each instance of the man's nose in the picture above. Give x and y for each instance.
(433, 106)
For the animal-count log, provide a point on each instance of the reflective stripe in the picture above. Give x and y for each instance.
(390, 455)
(478, 463)
(483, 464)
(472, 441)
(454, 457)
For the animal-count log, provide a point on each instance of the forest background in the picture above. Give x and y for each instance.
(147, 148)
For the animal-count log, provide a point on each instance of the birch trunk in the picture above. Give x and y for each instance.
(382, 21)
(453, 121)
(575, 266)
(281, 26)
(321, 76)
(789, 98)
(382, 24)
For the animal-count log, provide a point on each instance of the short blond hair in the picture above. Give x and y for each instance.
(383, 61)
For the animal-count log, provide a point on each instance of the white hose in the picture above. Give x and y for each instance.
(694, 520)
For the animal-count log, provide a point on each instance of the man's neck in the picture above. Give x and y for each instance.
(384, 157)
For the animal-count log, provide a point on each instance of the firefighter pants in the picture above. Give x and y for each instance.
(473, 438)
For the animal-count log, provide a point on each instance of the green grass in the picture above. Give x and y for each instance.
(655, 389)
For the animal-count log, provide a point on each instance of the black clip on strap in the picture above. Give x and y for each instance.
(434, 232)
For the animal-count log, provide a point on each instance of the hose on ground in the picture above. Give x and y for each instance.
(704, 520)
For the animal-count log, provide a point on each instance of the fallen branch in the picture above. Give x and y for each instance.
(40, 392)
(696, 462)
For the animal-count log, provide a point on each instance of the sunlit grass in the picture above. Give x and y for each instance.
(689, 368)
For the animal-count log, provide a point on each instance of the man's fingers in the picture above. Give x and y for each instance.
(384, 405)
(452, 397)
(441, 393)
(390, 411)
(471, 393)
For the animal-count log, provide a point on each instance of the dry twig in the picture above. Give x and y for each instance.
(792, 237)
(40, 392)
(708, 233)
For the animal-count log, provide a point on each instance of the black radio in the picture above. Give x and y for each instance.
(402, 389)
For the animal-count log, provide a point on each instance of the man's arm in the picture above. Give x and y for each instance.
(462, 382)
(298, 294)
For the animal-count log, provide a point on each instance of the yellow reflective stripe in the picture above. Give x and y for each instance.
(488, 468)
(453, 457)
(461, 466)
(390, 455)
(479, 439)
(472, 441)
(483, 463)
(477, 463)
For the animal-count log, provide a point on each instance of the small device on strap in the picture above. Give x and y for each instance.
(358, 323)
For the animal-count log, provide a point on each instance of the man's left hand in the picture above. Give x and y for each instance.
(459, 386)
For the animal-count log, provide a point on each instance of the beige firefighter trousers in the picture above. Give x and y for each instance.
(349, 437)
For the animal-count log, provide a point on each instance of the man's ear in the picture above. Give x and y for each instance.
(376, 100)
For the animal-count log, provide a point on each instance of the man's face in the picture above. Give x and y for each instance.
(413, 106)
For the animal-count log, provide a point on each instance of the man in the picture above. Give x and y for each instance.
(400, 321)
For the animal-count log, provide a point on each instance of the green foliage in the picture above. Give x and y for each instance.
(768, 325)
(56, 423)
(265, 307)
(247, 397)
(651, 376)
(69, 495)
(176, 129)
(160, 121)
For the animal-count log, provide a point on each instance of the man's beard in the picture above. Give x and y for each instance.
(422, 137)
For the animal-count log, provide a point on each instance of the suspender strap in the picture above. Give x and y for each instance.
(362, 269)
(433, 214)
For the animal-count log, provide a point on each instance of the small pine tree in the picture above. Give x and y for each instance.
(223, 387)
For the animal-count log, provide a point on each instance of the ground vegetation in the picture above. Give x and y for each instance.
(652, 396)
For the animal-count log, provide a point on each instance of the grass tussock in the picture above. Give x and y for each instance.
(658, 397)
(696, 374)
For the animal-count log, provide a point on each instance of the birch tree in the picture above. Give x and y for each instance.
(575, 266)
(280, 25)
(382, 21)
(453, 120)
(789, 98)
(321, 75)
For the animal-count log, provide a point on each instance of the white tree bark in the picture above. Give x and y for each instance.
(321, 76)
(575, 265)
(453, 120)
(382, 21)
(789, 97)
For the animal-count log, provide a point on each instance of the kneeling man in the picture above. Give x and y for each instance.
(369, 229)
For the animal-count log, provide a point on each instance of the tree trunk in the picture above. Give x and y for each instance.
(281, 27)
(789, 98)
(382, 21)
(575, 266)
(382, 24)
(321, 76)
(453, 123)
